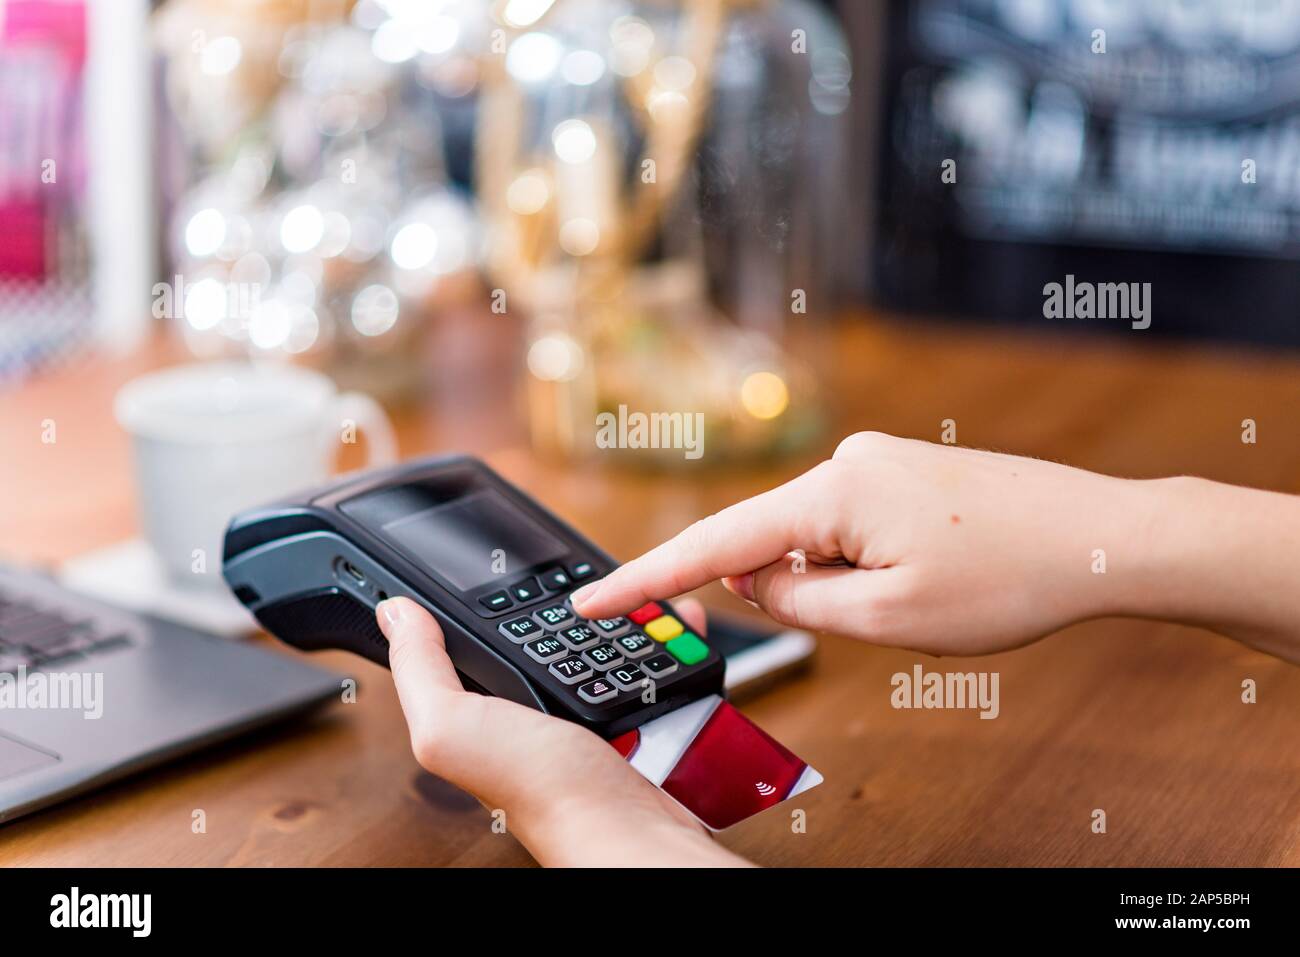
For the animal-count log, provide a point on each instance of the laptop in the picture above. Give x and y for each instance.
(90, 693)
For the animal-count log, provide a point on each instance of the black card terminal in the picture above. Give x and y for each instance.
(494, 567)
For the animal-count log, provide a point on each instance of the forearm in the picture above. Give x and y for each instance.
(1220, 557)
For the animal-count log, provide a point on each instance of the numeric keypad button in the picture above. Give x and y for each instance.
(634, 644)
(546, 648)
(660, 666)
(554, 617)
(520, 630)
(603, 656)
(571, 670)
(627, 677)
(579, 637)
(610, 627)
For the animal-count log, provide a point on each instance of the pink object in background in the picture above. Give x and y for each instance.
(22, 240)
(42, 153)
(62, 22)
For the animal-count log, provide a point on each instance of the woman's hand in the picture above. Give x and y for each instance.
(956, 551)
(568, 796)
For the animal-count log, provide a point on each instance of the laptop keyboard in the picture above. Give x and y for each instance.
(39, 637)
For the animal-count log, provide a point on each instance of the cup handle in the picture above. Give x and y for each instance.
(359, 410)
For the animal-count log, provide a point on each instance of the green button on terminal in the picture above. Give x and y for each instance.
(687, 648)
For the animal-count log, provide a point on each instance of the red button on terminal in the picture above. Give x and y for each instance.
(647, 612)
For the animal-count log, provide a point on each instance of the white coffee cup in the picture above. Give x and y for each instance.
(212, 438)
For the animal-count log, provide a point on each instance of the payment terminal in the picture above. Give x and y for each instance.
(494, 567)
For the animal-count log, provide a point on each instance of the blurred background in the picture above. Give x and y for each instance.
(787, 219)
(403, 193)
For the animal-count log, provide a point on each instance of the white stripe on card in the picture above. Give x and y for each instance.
(664, 740)
(810, 778)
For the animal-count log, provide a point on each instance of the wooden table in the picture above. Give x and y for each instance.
(1142, 720)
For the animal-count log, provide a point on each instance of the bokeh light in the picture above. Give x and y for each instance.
(582, 67)
(374, 310)
(205, 303)
(574, 141)
(220, 56)
(533, 57)
(270, 324)
(764, 395)
(302, 228)
(579, 236)
(414, 246)
(555, 358)
(529, 193)
(524, 13)
(205, 232)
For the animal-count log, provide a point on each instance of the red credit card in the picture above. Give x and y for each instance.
(715, 762)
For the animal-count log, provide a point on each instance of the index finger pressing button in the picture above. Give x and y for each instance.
(610, 627)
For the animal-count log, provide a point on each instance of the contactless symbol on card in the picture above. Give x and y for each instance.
(715, 762)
